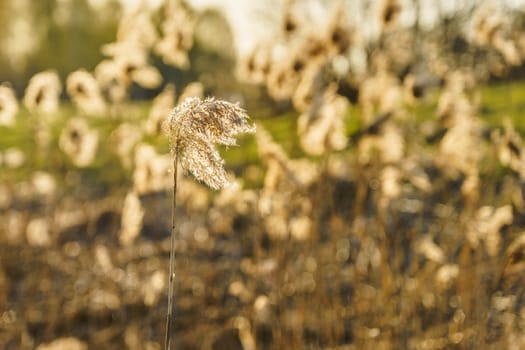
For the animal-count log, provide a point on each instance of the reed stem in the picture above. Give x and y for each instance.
(171, 304)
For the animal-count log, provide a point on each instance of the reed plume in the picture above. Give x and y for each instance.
(8, 105)
(131, 221)
(193, 89)
(177, 35)
(85, 92)
(193, 128)
(79, 142)
(163, 103)
(43, 92)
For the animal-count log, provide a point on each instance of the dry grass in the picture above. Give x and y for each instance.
(390, 219)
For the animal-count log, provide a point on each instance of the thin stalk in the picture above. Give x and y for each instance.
(171, 305)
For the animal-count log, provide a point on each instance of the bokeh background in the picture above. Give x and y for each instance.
(379, 205)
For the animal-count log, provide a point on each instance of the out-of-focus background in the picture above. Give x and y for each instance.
(379, 205)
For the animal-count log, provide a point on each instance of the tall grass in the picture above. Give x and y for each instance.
(379, 205)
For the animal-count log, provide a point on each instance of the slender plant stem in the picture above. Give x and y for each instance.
(171, 305)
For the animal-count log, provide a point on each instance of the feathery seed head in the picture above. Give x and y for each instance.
(79, 141)
(195, 126)
(132, 216)
(43, 92)
(85, 92)
(8, 105)
(162, 105)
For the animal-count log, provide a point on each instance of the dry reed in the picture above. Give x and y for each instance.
(193, 128)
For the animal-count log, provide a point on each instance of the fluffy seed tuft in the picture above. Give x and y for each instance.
(195, 126)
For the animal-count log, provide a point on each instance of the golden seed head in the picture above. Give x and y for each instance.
(43, 92)
(8, 105)
(195, 126)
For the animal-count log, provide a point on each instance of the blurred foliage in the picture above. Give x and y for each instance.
(400, 240)
(72, 33)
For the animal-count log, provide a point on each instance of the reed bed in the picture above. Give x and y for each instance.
(377, 203)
